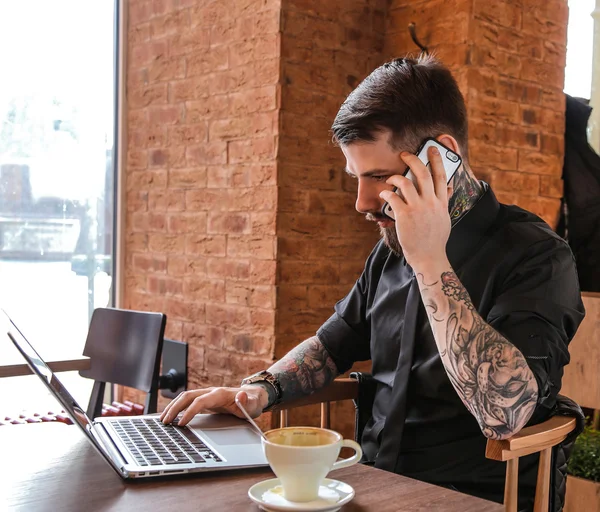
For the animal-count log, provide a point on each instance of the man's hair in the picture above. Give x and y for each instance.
(412, 98)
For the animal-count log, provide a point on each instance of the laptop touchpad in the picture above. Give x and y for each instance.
(230, 436)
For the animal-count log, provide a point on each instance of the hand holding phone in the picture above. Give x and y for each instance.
(451, 160)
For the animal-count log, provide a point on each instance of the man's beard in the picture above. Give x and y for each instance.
(389, 235)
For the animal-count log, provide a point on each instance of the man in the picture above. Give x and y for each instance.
(465, 306)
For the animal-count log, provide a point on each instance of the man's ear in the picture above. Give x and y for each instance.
(449, 142)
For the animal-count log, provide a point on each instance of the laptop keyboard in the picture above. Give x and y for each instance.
(152, 443)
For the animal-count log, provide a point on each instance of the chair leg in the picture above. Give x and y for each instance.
(325, 414)
(283, 418)
(542, 488)
(511, 487)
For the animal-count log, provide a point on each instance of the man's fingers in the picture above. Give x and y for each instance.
(408, 192)
(422, 175)
(217, 400)
(438, 172)
(180, 403)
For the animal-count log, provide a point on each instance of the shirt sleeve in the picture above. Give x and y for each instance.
(539, 310)
(346, 334)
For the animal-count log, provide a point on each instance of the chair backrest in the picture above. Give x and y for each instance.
(559, 431)
(125, 348)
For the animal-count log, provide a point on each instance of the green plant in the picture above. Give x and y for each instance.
(585, 459)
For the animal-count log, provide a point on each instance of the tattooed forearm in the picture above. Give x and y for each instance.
(305, 369)
(488, 372)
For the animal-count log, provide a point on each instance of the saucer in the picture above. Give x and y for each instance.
(268, 495)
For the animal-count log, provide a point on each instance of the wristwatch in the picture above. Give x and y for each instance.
(265, 376)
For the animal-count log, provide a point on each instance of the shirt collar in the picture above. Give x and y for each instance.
(468, 231)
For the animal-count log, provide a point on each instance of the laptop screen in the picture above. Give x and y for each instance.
(47, 376)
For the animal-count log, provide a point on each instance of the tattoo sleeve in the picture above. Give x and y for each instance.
(304, 369)
(489, 373)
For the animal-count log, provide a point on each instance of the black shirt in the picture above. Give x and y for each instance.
(521, 278)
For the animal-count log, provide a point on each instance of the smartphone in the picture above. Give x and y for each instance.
(452, 162)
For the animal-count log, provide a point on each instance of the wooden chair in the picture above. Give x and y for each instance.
(538, 438)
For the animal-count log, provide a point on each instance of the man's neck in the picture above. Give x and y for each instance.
(467, 191)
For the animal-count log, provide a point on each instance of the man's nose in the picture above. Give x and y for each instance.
(367, 198)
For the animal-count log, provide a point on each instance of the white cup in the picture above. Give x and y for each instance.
(301, 457)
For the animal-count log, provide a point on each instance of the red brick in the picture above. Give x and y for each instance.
(186, 222)
(143, 54)
(204, 109)
(259, 49)
(294, 296)
(214, 59)
(171, 114)
(188, 89)
(228, 315)
(228, 268)
(259, 99)
(546, 73)
(492, 156)
(253, 344)
(325, 295)
(340, 248)
(166, 69)
(551, 186)
(187, 178)
(294, 247)
(250, 295)
(553, 144)
(252, 150)
(137, 201)
(254, 174)
(553, 121)
(149, 263)
(244, 127)
(171, 23)
(207, 153)
(224, 223)
(139, 12)
(263, 271)
(260, 248)
(491, 109)
(159, 285)
(137, 159)
(147, 179)
(186, 266)
(524, 184)
(181, 309)
(162, 243)
(137, 242)
(170, 200)
(301, 272)
(201, 289)
(149, 222)
(539, 163)
(205, 245)
(150, 95)
(218, 176)
(263, 223)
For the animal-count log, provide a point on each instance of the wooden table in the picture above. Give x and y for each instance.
(12, 363)
(68, 474)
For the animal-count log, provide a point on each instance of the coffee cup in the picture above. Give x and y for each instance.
(301, 457)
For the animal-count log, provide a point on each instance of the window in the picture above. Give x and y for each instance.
(580, 45)
(57, 147)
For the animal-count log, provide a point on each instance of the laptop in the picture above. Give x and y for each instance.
(142, 446)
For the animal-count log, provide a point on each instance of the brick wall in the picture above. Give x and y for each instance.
(327, 48)
(202, 87)
(240, 220)
(509, 58)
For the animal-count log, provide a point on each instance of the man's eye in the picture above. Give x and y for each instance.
(379, 178)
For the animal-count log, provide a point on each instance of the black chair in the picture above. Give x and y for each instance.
(553, 439)
(124, 348)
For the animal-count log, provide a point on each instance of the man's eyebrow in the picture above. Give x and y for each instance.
(373, 172)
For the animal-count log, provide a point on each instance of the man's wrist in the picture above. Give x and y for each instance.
(433, 269)
(270, 397)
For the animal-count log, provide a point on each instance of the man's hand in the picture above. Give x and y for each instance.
(421, 211)
(253, 398)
